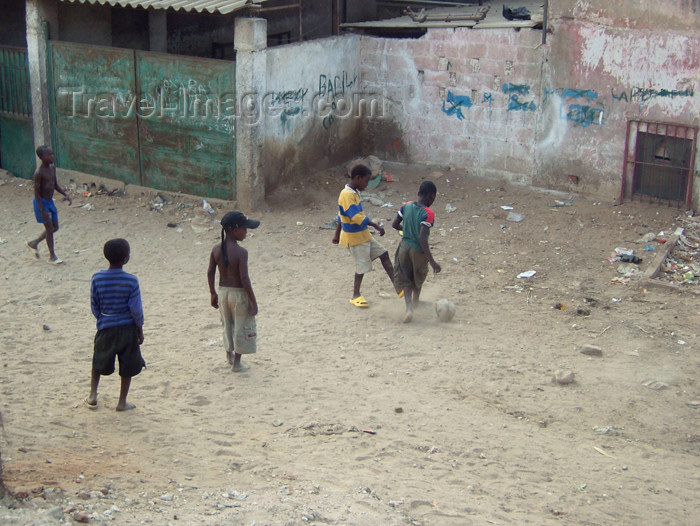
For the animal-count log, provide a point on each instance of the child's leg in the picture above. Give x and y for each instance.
(356, 286)
(408, 296)
(94, 383)
(123, 405)
(35, 243)
(49, 240)
(386, 263)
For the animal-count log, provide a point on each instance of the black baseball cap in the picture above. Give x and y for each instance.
(238, 219)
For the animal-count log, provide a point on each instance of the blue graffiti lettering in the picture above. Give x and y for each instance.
(514, 104)
(585, 115)
(521, 89)
(454, 104)
(578, 93)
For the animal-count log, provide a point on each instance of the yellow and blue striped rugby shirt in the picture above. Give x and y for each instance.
(353, 220)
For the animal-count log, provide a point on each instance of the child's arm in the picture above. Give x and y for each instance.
(336, 236)
(59, 189)
(211, 274)
(245, 282)
(94, 301)
(136, 308)
(38, 176)
(423, 238)
(396, 225)
(377, 227)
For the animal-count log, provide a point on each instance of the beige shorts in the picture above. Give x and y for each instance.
(240, 333)
(365, 253)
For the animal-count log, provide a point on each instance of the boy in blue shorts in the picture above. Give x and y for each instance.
(45, 182)
(352, 231)
(115, 299)
(413, 253)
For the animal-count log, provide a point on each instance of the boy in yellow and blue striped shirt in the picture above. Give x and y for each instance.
(352, 231)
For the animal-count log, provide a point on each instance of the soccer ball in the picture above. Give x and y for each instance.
(445, 310)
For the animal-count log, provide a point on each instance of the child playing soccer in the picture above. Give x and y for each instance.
(237, 300)
(115, 298)
(413, 253)
(352, 231)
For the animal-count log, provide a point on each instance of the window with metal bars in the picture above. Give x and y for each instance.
(659, 161)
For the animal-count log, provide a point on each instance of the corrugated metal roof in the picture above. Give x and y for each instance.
(210, 6)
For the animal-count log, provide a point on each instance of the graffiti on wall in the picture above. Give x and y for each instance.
(515, 92)
(333, 92)
(637, 95)
(579, 106)
(453, 104)
(288, 104)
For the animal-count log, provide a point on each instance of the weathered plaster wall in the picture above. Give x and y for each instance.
(499, 103)
(597, 77)
(677, 15)
(461, 97)
(309, 118)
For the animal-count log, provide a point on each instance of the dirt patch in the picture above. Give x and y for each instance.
(467, 421)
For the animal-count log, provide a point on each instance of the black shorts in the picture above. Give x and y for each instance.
(122, 342)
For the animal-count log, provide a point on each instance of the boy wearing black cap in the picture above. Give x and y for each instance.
(237, 302)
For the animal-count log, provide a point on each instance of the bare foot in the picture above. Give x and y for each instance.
(408, 317)
(240, 368)
(125, 407)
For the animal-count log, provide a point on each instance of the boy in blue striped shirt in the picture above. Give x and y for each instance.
(115, 299)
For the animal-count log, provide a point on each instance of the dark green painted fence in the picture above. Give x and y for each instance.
(94, 129)
(16, 128)
(153, 119)
(188, 144)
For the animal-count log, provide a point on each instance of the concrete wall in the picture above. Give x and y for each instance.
(599, 76)
(309, 119)
(461, 97)
(499, 103)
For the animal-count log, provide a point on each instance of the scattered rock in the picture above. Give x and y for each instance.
(592, 350)
(398, 409)
(564, 376)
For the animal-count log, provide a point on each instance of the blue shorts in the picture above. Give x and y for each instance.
(49, 206)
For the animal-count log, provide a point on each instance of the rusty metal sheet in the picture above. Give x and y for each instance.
(95, 107)
(188, 139)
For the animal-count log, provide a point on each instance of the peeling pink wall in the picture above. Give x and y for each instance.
(499, 103)
(460, 97)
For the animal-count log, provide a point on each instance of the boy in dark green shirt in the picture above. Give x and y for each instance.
(413, 254)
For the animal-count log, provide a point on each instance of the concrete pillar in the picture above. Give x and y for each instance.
(37, 12)
(158, 31)
(250, 42)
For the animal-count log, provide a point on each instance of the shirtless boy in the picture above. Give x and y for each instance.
(237, 302)
(45, 182)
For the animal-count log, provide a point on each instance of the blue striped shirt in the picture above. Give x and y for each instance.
(115, 299)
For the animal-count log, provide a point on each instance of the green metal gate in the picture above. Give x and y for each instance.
(93, 123)
(188, 144)
(16, 128)
(147, 118)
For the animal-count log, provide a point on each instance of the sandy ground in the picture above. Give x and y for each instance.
(469, 427)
